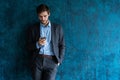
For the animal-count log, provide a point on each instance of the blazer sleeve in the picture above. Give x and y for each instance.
(61, 45)
(31, 42)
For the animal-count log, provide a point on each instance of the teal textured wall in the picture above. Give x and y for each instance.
(92, 35)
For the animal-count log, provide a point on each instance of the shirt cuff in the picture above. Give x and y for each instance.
(37, 45)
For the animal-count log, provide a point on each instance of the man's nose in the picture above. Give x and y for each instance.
(43, 18)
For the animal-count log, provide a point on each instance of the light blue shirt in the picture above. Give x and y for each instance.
(45, 31)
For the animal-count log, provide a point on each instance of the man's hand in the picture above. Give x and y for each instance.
(42, 41)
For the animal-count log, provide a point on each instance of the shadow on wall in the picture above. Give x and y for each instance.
(23, 58)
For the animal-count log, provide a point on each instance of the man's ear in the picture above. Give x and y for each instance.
(49, 14)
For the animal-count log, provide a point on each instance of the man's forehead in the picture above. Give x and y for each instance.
(43, 13)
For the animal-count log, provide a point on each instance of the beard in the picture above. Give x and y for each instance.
(44, 22)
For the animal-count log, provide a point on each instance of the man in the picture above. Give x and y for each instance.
(46, 42)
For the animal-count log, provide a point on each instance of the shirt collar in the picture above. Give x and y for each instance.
(48, 25)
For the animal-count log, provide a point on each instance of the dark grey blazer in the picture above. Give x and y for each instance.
(57, 40)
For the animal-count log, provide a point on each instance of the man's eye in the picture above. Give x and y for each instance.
(40, 16)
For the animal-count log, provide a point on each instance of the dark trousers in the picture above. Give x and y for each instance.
(44, 68)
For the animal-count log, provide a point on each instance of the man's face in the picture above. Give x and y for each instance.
(43, 17)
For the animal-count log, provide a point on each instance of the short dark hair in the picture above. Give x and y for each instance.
(42, 8)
